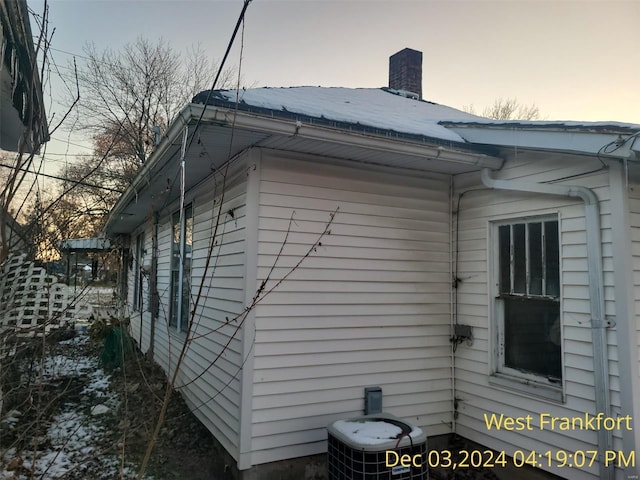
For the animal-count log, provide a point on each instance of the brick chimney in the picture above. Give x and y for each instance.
(405, 71)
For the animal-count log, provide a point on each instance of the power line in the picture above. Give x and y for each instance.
(83, 56)
(224, 59)
(70, 143)
(68, 53)
(67, 155)
(215, 81)
(78, 182)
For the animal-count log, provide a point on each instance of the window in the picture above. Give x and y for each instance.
(182, 241)
(137, 272)
(528, 301)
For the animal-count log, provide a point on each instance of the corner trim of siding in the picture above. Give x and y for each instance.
(629, 374)
(248, 336)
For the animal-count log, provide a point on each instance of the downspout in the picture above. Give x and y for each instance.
(182, 245)
(453, 300)
(596, 292)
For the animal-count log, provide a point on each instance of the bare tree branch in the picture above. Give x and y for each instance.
(507, 109)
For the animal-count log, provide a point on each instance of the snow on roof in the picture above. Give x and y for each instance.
(544, 124)
(86, 244)
(379, 108)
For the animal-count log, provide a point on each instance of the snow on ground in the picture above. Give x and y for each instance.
(75, 440)
(77, 436)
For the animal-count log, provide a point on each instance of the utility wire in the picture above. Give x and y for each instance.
(82, 56)
(48, 154)
(71, 143)
(79, 182)
(215, 81)
(224, 59)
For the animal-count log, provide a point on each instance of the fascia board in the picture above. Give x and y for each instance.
(152, 163)
(336, 136)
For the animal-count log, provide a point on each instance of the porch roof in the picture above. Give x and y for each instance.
(602, 139)
(94, 244)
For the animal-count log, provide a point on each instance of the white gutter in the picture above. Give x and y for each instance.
(596, 292)
(277, 126)
(290, 128)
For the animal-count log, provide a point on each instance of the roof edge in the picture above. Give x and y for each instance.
(217, 100)
(595, 127)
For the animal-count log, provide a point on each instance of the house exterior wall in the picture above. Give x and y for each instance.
(630, 282)
(13, 234)
(22, 116)
(476, 393)
(635, 232)
(634, 203)
(210, 376)
(369, 306)
(370, 303)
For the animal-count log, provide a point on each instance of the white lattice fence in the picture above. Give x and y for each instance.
(32, 302)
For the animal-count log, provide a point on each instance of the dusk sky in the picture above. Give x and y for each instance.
(576, 60)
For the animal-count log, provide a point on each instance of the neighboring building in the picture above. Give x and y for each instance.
(13, 239)
(23, 126)
(423, 239)
(82, 259)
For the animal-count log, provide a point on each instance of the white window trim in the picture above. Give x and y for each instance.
(138, 263)
(499, 375)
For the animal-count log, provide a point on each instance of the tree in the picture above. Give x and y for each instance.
(128, 97)
(508, 109)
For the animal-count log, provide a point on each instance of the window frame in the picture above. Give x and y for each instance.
(179, 297)
(137, 272)
(500, 374)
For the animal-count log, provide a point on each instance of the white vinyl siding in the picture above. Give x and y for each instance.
(634, 207)
(370, 306)
(209, 378)
(629, 270)
(476, 395)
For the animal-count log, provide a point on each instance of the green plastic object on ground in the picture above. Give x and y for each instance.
(117, 345)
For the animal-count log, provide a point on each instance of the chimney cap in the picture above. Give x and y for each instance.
(406, 51)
